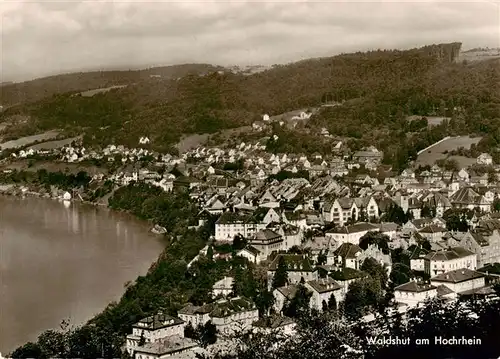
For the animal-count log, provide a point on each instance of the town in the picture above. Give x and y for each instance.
(322, 229)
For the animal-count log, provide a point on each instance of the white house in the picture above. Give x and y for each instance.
(298, 266)
(223, 287)
(252, 254)
(154, 329)
(449, 260)
(414, 293)
(351, 234)
(228, 315)
(460, 280)
(267, 241)
(322, 290)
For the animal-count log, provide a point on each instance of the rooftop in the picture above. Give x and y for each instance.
(415, 287)
(457, 276)
(158, 321)
(168, 345)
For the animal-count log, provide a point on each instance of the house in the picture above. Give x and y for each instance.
(346, 256)
(460, 280)
(281, 326)
(252, 254)
(374, 252)
(223, 287)
(322, 290)
(158, 331)
(484, 159)
(442, 261)
(433, 232)
(267, 241)
(467, 198)
(234, 315)
(228, 315)
(345, 277)
(417, 254)
(371, 155)
(282, 296)
(298, 266)
(482, 241)
(340, 211)
(351, 234)
(414, 293)
(231, 224)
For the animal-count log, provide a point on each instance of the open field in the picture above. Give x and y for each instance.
(23, 141)
(435, 152)
(53, 144)
(91, 93)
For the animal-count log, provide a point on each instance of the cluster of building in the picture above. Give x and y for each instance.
(324, 207)
(327, 215)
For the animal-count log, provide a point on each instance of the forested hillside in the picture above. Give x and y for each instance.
(379, 89)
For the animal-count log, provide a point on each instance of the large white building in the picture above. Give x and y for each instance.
(460, 280)
(449, 260)
(228, 315)
(413, 293)
(351, 234)
(162, 336)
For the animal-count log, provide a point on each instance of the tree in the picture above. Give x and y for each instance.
(375, 238)
(281, 275)
(207, 334)
(299, 304)
(375, 270)
(142, 339)
(210, 253)
(239, 242)
(332, 303)
(28, 350)
(395, 214)
(400, 274)
(321, 258)
(362, 295)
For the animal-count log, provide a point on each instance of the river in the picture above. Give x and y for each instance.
(59, 262)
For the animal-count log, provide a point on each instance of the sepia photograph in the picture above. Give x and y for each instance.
(250, 179)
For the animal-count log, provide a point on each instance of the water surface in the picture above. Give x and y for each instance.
(58, 262)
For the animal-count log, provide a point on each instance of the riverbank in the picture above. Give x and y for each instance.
(166, 285)
(25, 191)
(53, 259)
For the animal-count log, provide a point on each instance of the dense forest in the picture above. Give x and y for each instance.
(377, 89)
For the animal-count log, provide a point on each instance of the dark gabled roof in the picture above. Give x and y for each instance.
(324, 285)
(443, 290)
(252, 250)
(288, 291)
(266, 235)
(347, 250)
(157, 321)
(167, 346)
(433, 228)
(415, 287)
(465, 195)
(273, 322)
(347, 274)
(453, 253)
(293, 262)
(490, 269)
(457, 276)
(355, 228)
(224, 308)
(232, 217)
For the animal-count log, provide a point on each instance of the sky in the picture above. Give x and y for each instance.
(40, 38)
